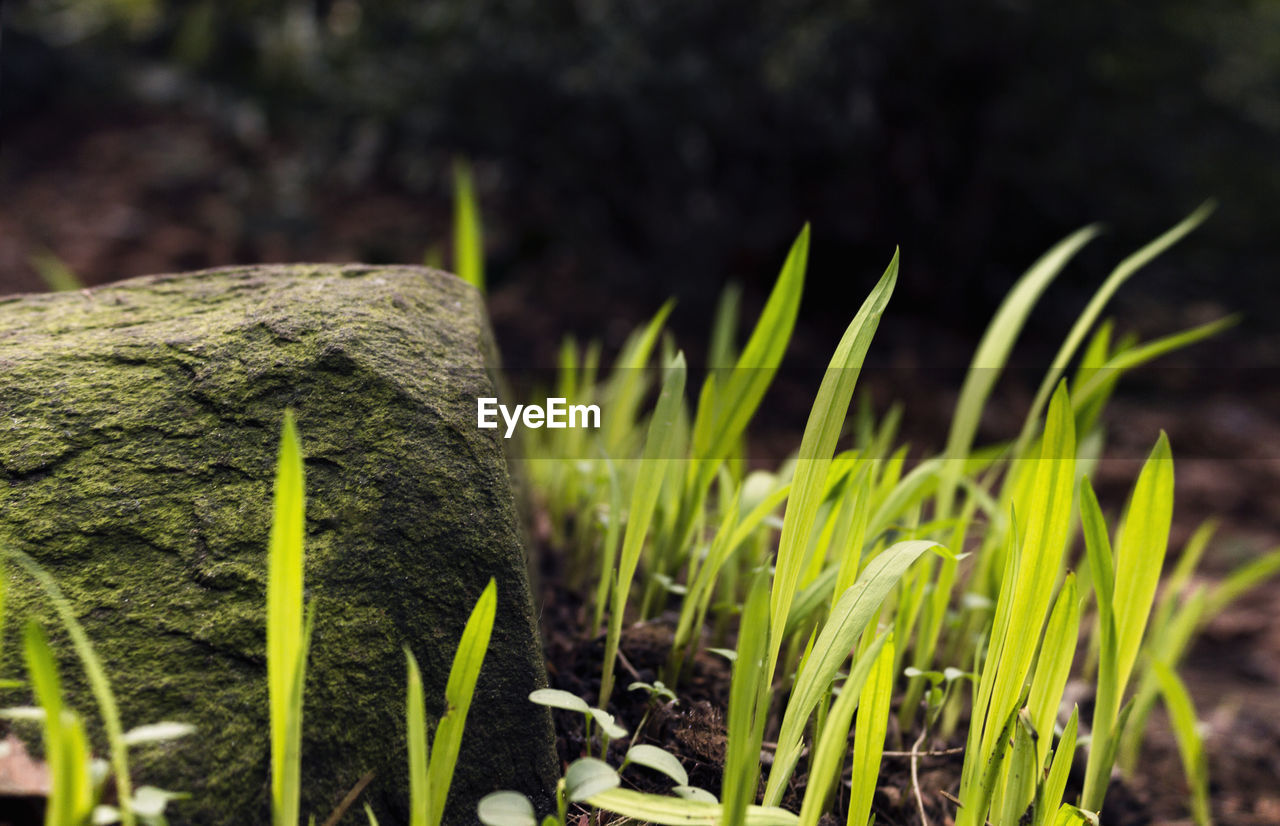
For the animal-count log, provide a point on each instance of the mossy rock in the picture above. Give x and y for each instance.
(139, 424)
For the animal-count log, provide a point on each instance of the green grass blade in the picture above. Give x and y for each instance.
(285, 626)
(850, 617)
(658, 451)
(468, 244)
(993, 353)
(1114, 281)
(1020, 784)
(1241, 580)
(98, 683)
(816, 448)
(724, 329)
(1049, 798)
(628, 383)
(738, 394)
(1182, 716)
(1056, 654)
(748, 705)
(1167, 645)
(1105, 376)
(869, 736)
(54, 272)
(833, 741)
(1140, 552)
(416, 735)
(47, 687)
(458, 693)
(1025, 593)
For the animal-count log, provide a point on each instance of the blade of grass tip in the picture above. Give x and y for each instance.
(1182, 716)
(97, 677)
(748, 705)
(644, 498)
(416, 734)
(458, 694)
(833, 741)
(468, 245)
(285, 623)
(1105, 376)
(869, 734)
(54, 272)
(993, 353)
(628, 382)
(737, 396)
(822, 431)
(1080, 329)
(724, 330)
(1140, 552)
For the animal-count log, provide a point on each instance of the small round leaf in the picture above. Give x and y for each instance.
(506, 809)
(607, 724)
(652, 757)
(694, 793)
(588, 776)
(555, 698)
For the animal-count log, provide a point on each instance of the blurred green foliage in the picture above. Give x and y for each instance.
(663, 140)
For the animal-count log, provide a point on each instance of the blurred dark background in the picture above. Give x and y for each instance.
(630, 150)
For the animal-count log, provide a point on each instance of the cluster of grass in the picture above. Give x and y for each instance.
(971, 584)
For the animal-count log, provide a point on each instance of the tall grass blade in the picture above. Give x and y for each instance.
(748, 705)
(1182, 715)
(850, 617)
(98, 683)
(869, 735)
(832, 742)
(658, 452)
(1086, 320)
(458, 693)
(816, 448)
(416, 735)
(993, 352)
(1140, 552)
(468, 244)
(286, 649)
(1049, 798)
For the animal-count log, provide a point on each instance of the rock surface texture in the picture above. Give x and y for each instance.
(139, 424)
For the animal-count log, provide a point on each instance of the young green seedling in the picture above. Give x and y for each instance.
(431, 771)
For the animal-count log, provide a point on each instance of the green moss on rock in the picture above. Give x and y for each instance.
(138, 433)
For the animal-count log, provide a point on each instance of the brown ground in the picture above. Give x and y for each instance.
(144, 192)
